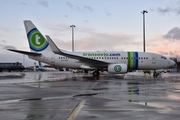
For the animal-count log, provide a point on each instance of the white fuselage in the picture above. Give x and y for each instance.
(133, 60)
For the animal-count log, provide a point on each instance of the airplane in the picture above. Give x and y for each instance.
(113, 62)
(41, 68)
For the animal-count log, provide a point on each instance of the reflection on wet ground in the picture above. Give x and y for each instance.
(65, 95)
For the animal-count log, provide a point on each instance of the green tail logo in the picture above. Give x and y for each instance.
(36, 40)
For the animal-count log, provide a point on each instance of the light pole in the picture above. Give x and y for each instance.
(72, 36)
(23, 60)
(143, 12)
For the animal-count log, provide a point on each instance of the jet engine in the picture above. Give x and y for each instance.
(117, 68)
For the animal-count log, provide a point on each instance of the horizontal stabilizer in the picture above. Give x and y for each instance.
(25, 52)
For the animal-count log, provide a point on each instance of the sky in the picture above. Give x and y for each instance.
(111, 25)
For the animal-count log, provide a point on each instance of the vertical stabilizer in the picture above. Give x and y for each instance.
(37, 41)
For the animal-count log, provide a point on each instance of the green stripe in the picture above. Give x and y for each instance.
(130, 61)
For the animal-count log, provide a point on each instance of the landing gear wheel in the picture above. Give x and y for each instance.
(96, 73)
(85, 71)
(155, 74)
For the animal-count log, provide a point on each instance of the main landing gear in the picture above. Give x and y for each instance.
(156, 74)
(96, 73)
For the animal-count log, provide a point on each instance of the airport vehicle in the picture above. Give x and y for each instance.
(113, 62)
(11, 67)
(41, 68)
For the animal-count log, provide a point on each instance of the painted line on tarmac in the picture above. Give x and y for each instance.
(119, 109)
(37, 109)
(94, 85)
(76, 111)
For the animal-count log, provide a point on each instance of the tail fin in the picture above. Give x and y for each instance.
(37, 41)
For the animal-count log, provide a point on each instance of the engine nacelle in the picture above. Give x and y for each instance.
(117, 68)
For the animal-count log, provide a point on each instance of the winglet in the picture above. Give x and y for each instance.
(53, 46)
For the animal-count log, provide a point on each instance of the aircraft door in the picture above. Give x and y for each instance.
(52, 58)
(154, 59)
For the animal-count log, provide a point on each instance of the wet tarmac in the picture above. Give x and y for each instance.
(79, 96)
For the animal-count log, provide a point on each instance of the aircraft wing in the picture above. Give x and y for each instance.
(89, 61)
(25, 52)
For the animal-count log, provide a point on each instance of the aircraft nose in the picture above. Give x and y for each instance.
(172, 63)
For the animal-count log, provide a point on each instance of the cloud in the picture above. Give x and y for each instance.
(177, 10)
(163, 53)
(86, 21)
(173, 34)
(107, 13)
(169, 53)
(69, 5)
(161, 45)
(165, 10)
(43, 3)
(172, 53)
(4, 29)
(23, 3)
(100, 41)
(4, 41)
(56, 27)
(5, 47)
(88, 8)
(85, 7)
(9, 47)
(87, 38)
(104, 41)
(170, 9)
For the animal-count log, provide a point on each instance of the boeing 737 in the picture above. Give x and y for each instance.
(113, 62)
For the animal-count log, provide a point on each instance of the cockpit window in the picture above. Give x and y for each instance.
(163, 57)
